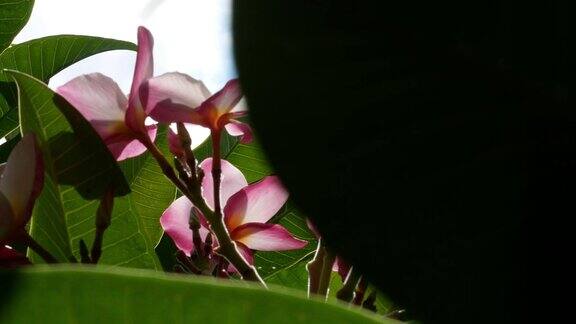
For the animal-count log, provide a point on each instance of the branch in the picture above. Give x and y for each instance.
(27, 240)
(346, 293)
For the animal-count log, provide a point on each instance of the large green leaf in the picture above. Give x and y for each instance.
(14, 14)
(151, 192)
(79, 168)
(42, 58)
(88, 295)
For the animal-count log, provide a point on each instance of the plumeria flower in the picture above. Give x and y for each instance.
(120, 121)
(247, 209)
(22, 179)
(177, 97)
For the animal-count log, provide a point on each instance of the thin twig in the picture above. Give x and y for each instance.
(314, 268)
(37, 248)
(346, 293)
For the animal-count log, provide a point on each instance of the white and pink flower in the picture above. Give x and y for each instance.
(247, 209)
(119, 121)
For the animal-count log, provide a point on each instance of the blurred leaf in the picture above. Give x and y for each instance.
(87, 295)
(42, 58)
(14, 15)
(79, 168)
(151, 192)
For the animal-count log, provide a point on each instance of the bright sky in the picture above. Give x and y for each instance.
(190, 36)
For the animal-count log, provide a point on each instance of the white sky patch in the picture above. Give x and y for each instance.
(190, 36)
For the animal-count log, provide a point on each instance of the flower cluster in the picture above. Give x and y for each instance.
(171, 97)
(178, 98)
(248, 208)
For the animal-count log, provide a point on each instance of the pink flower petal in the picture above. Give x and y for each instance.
(241, 107)
(173, 97)
(341, 267)
(227, 98)
(125, 146)
(266, 237)
(143, 70)
(175, 222)
(232, 181)
(144, 64)
(99, 99)
(22, 180)
(256, 203)
(246, 253)
(174, 144)
(236, 128)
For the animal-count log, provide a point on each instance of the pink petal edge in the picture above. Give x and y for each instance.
(246, 253)
(236, 128)
(266, 237)
(124, 147)
(174, 97)
(144, 67)
(175, 220)
(256, 203)
(226, 99)
(99, 99)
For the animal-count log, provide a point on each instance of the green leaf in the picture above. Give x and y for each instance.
(14, 15)
(291, 276)
(251, 160)
(79, 168)
(95, 295)
(42, 58)
(274, 263)
(151, 192)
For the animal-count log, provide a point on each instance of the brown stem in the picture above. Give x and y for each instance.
(194, 224)
(360, 291)
(164, 165)
(346, 293)
(103, 220)
(84, 254)
(186, 143)
(326, 274)
(314, 268)
(216, 171)
(96, 252)
(37, 248)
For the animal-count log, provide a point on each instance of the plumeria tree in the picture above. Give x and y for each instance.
(95, 182)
